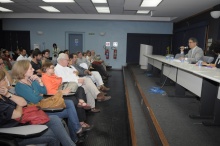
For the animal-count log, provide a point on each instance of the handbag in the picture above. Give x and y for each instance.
(33, 115)
(55, 101)
(73, 86)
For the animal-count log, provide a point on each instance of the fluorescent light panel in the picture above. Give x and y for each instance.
(5, 10)
(59, 1)
(99, 1)
(103, 9)
(150, 3)
(143, 11)
(6, 1)
(49, 8)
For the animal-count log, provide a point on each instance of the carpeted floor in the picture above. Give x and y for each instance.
(172, 114)
(111, 127)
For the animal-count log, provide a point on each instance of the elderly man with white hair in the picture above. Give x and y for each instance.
(68, 75)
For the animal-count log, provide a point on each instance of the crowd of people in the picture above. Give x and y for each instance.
(37, 75)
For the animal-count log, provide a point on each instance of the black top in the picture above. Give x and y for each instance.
(6, 110)
(36, 66)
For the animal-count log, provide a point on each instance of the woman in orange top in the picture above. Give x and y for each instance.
(52, 84)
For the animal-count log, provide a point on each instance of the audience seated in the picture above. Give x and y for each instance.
(2, 67)
(7, 60)
(16, 54)
(31, 88)
(53, 83)
(45, 56)
(23, 55)
(36, 62)
(97, 65)
(69, 75)
(94, 75)
(11, 108)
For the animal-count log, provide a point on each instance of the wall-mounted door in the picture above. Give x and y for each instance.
(75, 43)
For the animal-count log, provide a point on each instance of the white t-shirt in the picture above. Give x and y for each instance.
(22, 58)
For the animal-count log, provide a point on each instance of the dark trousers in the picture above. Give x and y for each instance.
(80, 94)
(100, 69)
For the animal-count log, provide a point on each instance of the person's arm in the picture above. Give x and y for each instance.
(199, 54)
(29, 94)
(206, 64)
(49, 84)
(17, 99)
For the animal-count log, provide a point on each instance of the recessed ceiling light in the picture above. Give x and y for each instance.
(103, 9)
(5, 10)
(143, 11)
(99, 1)
(6, 1)
(59, 1)
(150, 3)
(49, 8)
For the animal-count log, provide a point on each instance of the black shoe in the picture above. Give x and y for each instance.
(80, 140)
(81, 134)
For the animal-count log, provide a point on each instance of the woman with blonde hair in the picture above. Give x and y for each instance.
(32, 89)
(11, 109)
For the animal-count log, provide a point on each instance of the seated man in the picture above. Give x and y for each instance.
(36, 62)
(97, 65)
(69, 75)
(94, 75)
(23, 55)
(195, 53)
(45, 56)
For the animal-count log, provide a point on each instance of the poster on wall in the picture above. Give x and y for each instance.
(107, 44)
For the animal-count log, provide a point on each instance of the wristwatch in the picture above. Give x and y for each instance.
(10, 95)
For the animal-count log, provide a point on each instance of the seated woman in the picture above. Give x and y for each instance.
(31, 88)
(11, 108)
(53, 84)
(215, 47)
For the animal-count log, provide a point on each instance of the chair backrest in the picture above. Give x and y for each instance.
(207, 59)
(177, 56)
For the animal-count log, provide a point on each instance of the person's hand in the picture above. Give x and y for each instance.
(76, 73)
(88, 72)
(65, 91)
(81, 80)
(3, 91)
(204, 63)
(35, 77)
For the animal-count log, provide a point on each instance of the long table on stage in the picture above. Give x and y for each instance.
(200, 80)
